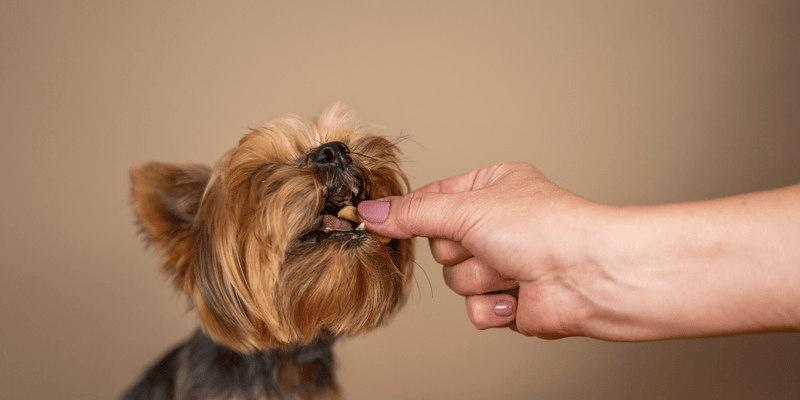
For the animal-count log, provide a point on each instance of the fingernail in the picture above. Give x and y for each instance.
(503, 308)
(374, 211)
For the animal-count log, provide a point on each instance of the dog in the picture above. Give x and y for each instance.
(276, 273)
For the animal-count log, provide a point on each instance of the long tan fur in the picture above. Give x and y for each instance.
(232, 236)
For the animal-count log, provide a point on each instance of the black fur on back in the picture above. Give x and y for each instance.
(199, 368)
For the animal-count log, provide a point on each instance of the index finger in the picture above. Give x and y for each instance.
(469, 181)
(443, 209)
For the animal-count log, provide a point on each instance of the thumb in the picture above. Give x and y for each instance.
(418, 213)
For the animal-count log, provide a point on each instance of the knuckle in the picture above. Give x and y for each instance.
(413, 209)
(431, 215)
(477, 280)
(548, 320)
(469, 278)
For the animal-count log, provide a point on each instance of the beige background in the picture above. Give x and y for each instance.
(623, 102)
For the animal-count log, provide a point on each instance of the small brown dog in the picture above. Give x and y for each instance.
(274, 269)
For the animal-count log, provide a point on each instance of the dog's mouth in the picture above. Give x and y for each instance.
(338, 217)
(339, 214)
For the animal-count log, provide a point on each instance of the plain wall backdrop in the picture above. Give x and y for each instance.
(622, 102)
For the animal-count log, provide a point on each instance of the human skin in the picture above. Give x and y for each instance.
(695, 269)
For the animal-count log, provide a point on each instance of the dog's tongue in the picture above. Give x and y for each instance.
(329, 222)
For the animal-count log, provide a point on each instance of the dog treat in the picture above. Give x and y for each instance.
(350, 213)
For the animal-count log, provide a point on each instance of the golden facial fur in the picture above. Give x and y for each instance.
(255, 244)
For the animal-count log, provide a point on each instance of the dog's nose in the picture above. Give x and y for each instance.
(333, 154)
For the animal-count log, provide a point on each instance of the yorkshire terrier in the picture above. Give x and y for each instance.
(273, 266)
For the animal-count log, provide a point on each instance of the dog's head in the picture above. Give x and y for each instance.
(258, 244)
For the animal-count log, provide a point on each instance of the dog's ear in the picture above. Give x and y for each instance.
(166, 198)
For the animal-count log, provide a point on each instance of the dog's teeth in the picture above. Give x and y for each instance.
(360, 227)
(328, 229)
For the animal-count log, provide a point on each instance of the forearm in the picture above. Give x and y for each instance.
(715, 267)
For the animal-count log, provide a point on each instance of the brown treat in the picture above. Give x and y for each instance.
(349, 213)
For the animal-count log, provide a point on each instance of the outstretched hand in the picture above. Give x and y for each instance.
(494, 230)
(545, 262)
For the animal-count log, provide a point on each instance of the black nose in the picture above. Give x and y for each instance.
(333, 154)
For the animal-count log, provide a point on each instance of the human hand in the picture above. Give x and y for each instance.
(694, 269)
(496, 229)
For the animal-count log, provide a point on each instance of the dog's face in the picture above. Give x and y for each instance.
(255, 242)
